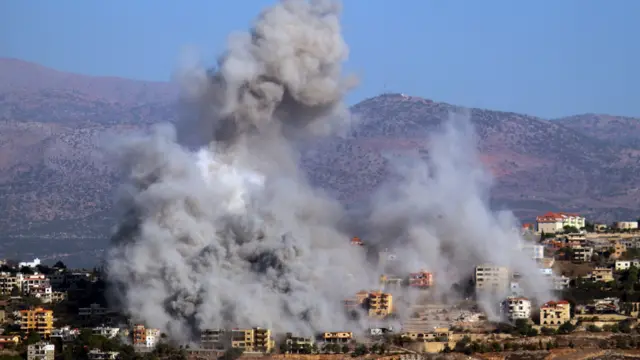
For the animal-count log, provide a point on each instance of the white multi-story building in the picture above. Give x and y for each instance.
(626, 225)
(561, 282)
(152, 336)
(30, 264)
(66, 334)
(492, 278)
(534, 251)
(97, 354)
(517, 308)
(108, 332)
(555, 222)
(41, 351)
(622, 265)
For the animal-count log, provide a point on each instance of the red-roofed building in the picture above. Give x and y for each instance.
(422, 279)
(555, 313)
(356, 241)
(555, 222)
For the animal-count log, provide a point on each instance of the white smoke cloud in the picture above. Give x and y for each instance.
(232, 235)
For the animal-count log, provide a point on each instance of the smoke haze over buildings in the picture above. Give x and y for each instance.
(233, 235)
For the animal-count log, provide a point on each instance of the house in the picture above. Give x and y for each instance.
(555, 313)
(618, 250)
(66, 334)
(602, 274)
(626, 225)
(561, 282)
(623, 265)
(517, 308)
(254, 340)
(439, 334)
(30, 264)
(39, 320)
(555, 222)
(337, 337)
(582, 254)
(11, 340)
(298, 344)
(492, 278)
(9, 282)
(41, 351)
(356, 241)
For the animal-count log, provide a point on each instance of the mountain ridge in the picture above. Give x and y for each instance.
(55, 183)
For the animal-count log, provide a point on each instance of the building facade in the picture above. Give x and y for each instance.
(517, 308)
(492, 278)
(41, 351)
(255, 340)
(39, 320)
(555, 313)
(555, 222)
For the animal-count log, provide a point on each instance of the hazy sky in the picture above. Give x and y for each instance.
(543, 57)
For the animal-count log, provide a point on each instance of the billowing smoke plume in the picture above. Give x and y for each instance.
(232, 235)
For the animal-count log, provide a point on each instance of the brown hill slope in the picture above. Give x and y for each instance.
(55, 184)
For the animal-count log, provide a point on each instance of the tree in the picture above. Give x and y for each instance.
(26, 270)
(32, 338)
(566, 328)
(60, 265)
(345, 348)
(360, 350)
(232, 354)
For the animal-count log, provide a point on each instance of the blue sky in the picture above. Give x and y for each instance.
(543, 57)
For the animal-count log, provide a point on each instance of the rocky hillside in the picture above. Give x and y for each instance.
(56, 186)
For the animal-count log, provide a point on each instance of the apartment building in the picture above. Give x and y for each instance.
(65, 334)
(39, 320)
(618, 250)
(517, 308)
(41, 351)
(337, 337)
(9, 281)
(626, 225)
(561, 282)
(602, 274)
(582, 254)
(298, 344)
(555, 222)
(215, 339)
(533, 251)
(145, 337)
(390, 282)
(555, 313)
(492, 278)
(421, 280)
(108, 332)
(256, 340)
(623, 265)
(379, 304)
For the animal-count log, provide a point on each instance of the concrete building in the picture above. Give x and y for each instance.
(561, 282)
(298, 344)
(41, 351)
(30, 264)
(626, 225)
(144, 337)
(66, 333)
(421, 280)
(582, 254)
(108, 332)
(555, 313)
(38, 320)
(8, 282)
(555, 222)
(255, 340)
(533, 251)
(379, 304)
(517, 308)
(618, 250)
(492, 278)
(337, 337)
(602, 274)
(623, 265)
(215, 339)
